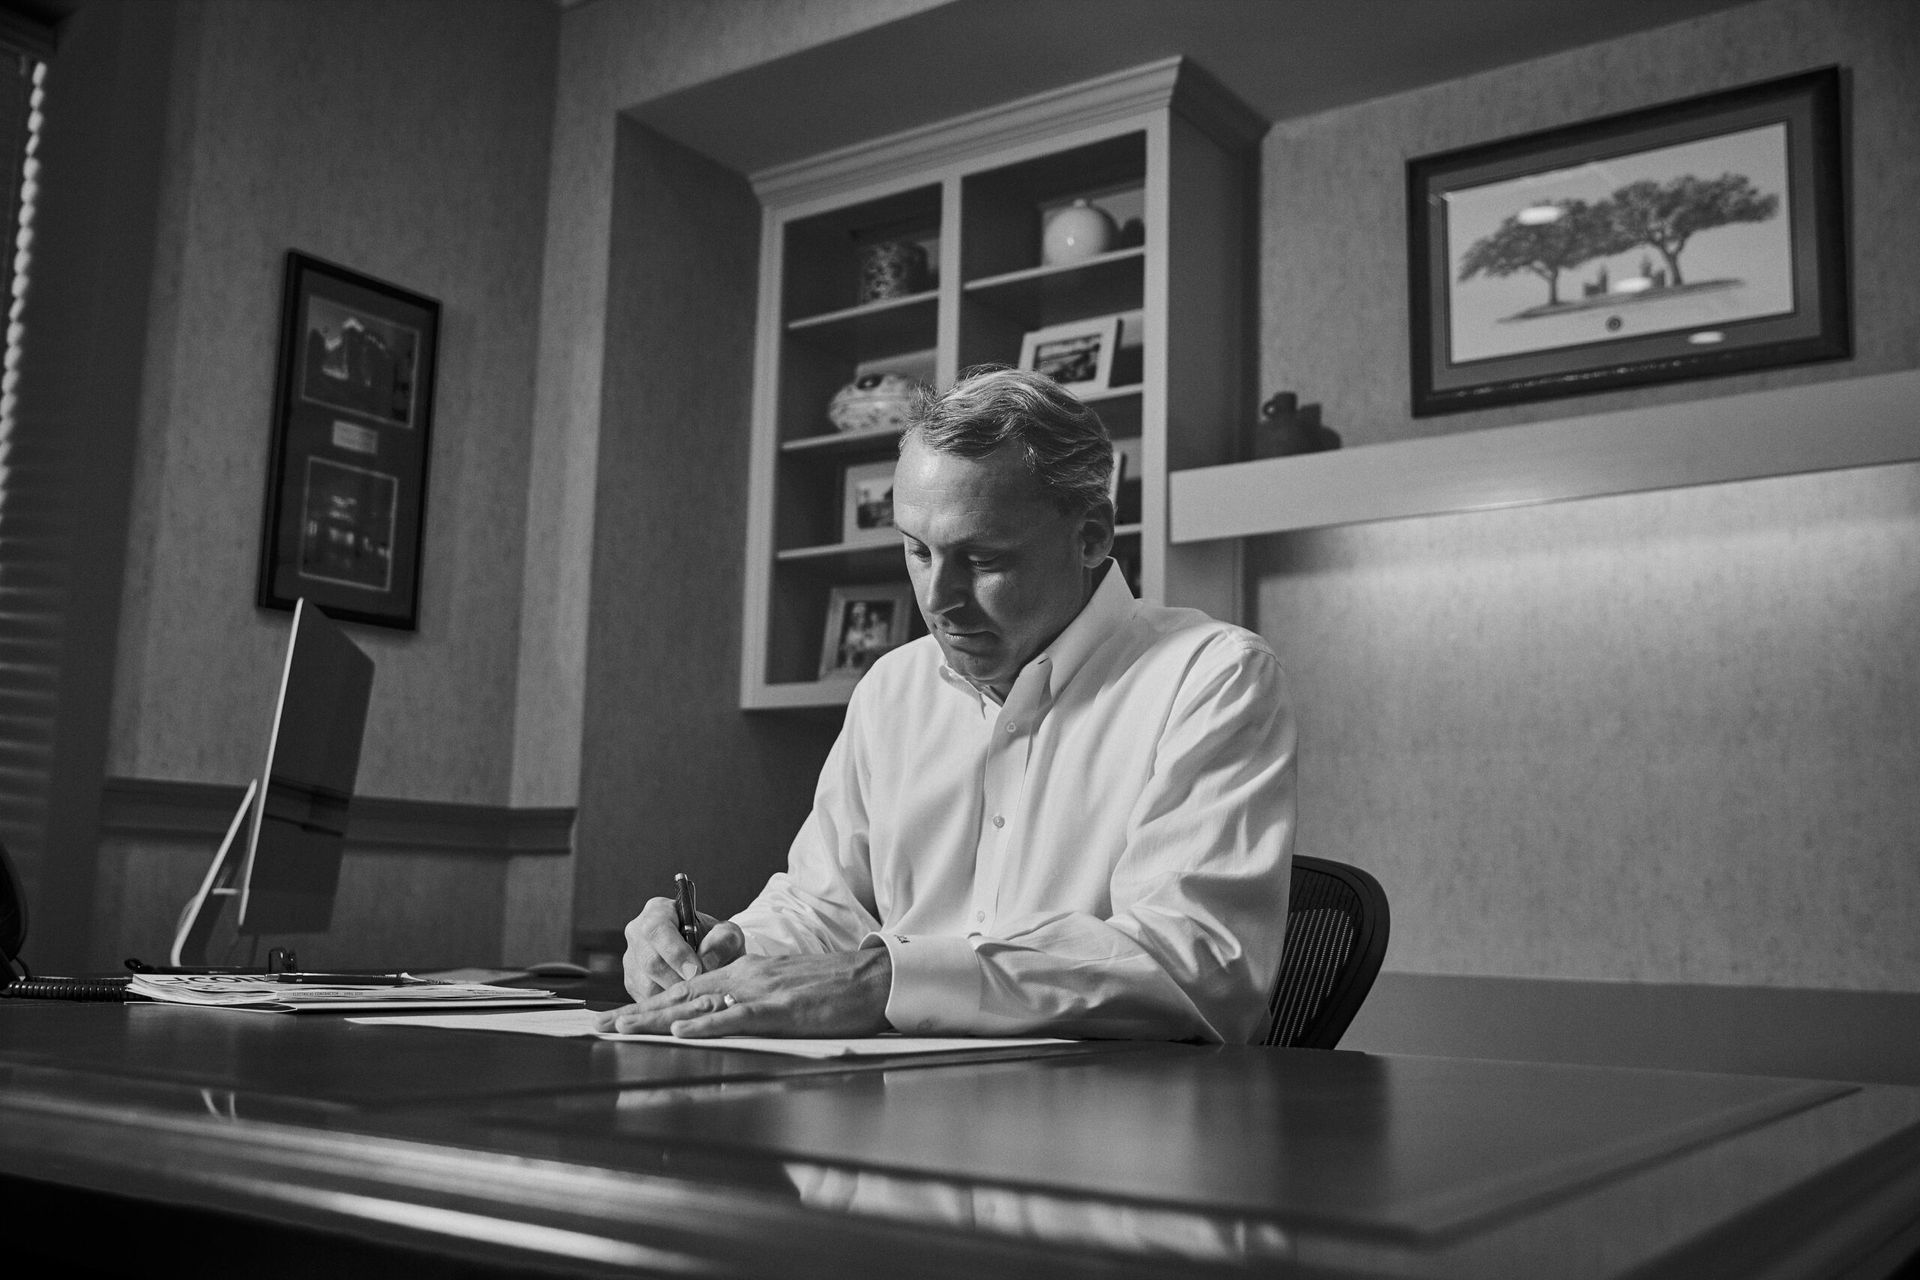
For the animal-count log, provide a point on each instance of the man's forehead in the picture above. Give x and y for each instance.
(1000, 480)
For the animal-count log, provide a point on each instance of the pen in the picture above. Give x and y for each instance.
(684, 914)
(344, 979)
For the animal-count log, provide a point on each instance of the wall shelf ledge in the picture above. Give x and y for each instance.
(1821, 426)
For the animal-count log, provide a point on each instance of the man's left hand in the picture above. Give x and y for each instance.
(841, 994)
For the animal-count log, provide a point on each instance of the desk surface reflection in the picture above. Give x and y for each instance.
(501, 1154)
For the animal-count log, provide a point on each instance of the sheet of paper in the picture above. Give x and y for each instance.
(579, 1022)
(558, 1003)
(475, 975)
(534, 1022)
(269, 994)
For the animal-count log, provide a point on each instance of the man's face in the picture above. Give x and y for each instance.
(997, 570)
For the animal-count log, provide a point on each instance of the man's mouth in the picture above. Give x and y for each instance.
(968, 639)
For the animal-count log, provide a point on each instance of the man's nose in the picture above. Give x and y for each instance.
(944, 588)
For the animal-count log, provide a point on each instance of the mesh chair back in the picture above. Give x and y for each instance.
(1337, 925)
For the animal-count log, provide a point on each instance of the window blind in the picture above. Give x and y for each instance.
(32, 524)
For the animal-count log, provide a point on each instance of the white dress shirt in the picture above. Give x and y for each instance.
(1104, 855)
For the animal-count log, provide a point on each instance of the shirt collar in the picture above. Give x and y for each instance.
(1111, 604)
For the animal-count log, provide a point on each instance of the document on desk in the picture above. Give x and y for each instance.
(579, 1022)
(331, 993)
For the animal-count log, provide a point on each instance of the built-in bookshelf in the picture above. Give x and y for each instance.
(1166, 154)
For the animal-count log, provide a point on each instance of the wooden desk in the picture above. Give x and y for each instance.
(132, 1136)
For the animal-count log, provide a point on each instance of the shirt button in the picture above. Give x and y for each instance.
(980, 916)
(1013, 728)
(999, 821)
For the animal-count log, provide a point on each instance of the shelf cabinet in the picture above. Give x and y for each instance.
(1166, 153)
(1820, 426)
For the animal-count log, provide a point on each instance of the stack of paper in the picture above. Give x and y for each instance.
(582, 1022)
(308, 993)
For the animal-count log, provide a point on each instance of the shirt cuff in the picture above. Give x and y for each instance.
(936, 983)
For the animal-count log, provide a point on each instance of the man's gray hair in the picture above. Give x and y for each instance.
(1063, 442)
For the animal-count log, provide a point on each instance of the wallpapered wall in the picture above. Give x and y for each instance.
(367, 134)
(611, 56)
(629, 696)
(409, 142)
(1665, 737)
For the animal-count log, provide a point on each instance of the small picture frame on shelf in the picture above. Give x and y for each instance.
(1078, 354)
(863, 622)
(866, 503)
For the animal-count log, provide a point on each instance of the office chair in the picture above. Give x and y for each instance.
(1337, 925)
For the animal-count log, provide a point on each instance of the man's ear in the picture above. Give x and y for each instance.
(1096, 535)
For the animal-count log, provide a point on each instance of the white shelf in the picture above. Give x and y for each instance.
(1028, 275)
(1821, 426)
(843, 441)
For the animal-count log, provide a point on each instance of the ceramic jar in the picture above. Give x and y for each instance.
(891, 269)
(1076, 233)
(1287, 427)
(876, 402)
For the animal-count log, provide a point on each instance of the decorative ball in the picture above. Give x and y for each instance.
(1076, 233)
(876, 402)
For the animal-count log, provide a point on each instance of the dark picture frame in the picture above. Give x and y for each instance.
(1687, 240)
(352, 432)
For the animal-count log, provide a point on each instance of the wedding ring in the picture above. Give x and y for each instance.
(728, 1000)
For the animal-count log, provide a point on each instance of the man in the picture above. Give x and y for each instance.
(1061, 811)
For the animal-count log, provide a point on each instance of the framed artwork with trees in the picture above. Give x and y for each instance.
(1686, 240)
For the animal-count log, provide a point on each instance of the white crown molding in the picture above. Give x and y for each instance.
(1170, 82)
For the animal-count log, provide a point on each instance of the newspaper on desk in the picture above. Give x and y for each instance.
(274, 993)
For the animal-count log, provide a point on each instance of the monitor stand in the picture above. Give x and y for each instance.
(221, 881)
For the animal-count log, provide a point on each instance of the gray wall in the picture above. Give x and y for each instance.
(1669, 737)
(409, 142)
(674, 777)
(616, 711)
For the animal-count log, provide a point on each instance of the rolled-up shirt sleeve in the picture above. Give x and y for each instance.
(823, 901)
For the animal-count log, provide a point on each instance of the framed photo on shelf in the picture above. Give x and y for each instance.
(352, 425)
(863, 623)
(1686, 240)
(866, 503)
(1078, 355)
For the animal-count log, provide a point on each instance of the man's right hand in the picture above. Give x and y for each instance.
(657, 956)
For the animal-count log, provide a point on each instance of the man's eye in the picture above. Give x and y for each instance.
(916, 551)
(984, 563)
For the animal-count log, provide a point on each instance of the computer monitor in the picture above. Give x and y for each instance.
(286, 871)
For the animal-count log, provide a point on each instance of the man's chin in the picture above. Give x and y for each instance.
(981, 668)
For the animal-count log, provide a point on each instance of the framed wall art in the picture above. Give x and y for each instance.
(863, 623)
(1686, 240)
(352, 425)
(1078, 355)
